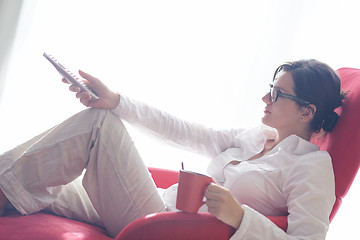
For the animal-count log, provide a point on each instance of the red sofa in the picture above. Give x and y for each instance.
(342, 144)
(45, 226)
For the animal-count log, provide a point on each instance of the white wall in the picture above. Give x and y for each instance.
(206, 61)
(9, 15)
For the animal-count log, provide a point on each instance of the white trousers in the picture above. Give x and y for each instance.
(43, 173)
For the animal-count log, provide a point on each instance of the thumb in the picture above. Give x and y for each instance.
(87, 76)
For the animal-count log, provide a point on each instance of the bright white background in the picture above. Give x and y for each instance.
(204, 61)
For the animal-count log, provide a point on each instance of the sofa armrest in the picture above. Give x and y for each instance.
(177, 225)
(164, 178)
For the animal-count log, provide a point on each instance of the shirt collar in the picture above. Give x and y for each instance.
(255, 139)
(297, 145)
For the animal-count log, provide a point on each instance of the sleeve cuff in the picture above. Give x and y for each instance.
(258, 227)
(241, 231)
(120, 108)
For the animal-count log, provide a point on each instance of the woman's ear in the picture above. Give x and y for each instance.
(308, 112)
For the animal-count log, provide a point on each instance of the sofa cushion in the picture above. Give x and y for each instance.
(44, 226)
(343, 142)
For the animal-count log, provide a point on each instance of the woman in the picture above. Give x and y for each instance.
(272, 169)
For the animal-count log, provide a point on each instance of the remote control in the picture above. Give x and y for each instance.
(69, 76)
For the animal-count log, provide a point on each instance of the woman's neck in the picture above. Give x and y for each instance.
(306, 135)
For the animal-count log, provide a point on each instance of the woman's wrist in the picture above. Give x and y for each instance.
(238, 216)
(115, 100)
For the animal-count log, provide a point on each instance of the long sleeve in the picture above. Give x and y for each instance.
(192, 136)
(308, 187)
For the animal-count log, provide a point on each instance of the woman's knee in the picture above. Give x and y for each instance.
(92, 116)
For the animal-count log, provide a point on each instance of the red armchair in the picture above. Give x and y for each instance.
(342, 144)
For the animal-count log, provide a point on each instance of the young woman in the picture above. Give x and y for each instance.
(272, 169)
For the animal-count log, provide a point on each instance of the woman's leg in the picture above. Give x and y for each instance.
(7, 160)
(33, 174)
(74, 203)
(117, 182)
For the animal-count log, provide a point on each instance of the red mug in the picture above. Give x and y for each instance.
(191, 191)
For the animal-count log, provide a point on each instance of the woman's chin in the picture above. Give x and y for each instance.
(266, 121)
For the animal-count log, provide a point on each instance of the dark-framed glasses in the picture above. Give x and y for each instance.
(274, 94)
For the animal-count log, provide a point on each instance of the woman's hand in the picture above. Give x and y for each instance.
(223, 205)
(107, 98)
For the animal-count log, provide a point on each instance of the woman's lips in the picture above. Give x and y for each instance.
(266, 110)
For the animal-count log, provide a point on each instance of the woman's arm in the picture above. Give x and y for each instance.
(192, 136)
(309, 188)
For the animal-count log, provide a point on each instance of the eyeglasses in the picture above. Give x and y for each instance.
(274, 94)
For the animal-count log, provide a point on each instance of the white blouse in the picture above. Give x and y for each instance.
(294, 178)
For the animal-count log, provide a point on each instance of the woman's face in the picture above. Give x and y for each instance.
(284, 114)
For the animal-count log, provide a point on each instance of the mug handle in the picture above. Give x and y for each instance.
(212, 181)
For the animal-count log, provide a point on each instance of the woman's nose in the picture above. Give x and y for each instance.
(266, 98)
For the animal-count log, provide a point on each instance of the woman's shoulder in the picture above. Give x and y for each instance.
(298, 153)
(316, 163)
(313, 169)
(315, 157)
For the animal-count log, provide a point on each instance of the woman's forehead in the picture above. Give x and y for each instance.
(284, 82)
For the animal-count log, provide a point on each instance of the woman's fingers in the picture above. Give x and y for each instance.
(74, 88)
(223, 205)
(107, 99)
